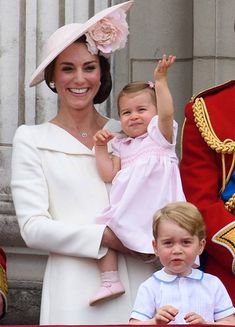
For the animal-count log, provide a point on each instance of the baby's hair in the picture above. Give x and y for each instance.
(184, 214)
(134, 87)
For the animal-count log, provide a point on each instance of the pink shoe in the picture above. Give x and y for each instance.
(107, 291)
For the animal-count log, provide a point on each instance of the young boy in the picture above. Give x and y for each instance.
(178, 293)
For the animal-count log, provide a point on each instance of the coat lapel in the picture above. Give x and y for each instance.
(51, 137)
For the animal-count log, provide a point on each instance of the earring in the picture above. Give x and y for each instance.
(52, 85)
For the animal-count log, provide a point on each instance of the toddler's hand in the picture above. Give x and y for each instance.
(193, 318)
(102, 137)
(165, 315)
(160, 71)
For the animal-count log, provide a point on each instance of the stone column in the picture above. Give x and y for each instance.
(214, 43)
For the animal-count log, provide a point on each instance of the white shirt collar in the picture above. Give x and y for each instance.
(162, 276)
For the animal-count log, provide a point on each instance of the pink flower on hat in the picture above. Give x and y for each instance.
(108, 34)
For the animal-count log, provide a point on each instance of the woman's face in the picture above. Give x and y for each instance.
(77, 76)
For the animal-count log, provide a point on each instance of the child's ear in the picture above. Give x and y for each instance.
(202, 245)
(154, 243)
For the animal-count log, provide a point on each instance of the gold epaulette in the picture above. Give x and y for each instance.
(203, 123)
(3, 281)
(227, 146)
(226, 238)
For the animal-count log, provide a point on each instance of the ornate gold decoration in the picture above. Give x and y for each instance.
(3, 280)
(203, 123)
(227, 146)
(230, 204)
(226, 237)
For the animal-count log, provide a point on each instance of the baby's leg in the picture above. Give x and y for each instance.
(109, 262)
(111, 286)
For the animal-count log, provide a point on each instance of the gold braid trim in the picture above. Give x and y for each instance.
(203, 123)
(227, 146)
(3, 280)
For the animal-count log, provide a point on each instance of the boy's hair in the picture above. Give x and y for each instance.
(184, 214)
(134, 87)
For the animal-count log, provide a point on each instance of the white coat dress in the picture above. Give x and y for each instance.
(57, 193)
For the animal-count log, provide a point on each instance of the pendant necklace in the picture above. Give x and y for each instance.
(83, 134)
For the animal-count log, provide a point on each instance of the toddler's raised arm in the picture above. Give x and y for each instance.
(164, 99)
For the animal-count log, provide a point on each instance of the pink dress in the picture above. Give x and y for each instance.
(149, 179)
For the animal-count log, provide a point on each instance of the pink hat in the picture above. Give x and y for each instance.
(105, 32)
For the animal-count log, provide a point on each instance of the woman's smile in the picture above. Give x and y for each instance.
(78, 90)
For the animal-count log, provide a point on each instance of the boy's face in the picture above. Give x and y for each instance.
(136, 111)
(176, 248)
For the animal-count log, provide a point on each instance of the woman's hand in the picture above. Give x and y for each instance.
(111, 241)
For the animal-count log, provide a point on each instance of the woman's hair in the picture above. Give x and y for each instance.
(136, 87)
(184, 214)
(106, 80)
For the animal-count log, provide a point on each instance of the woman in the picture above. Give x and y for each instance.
(56, 189)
